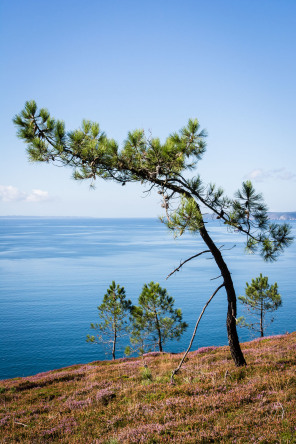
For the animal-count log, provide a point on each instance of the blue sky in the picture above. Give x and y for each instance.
(151, 64)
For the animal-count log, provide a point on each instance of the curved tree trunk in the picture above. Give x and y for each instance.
(235, 349)
(233, 341)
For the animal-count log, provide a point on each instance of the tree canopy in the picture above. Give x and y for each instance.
(114, 314)
(92, 154)
(155, 320)
(260, 298)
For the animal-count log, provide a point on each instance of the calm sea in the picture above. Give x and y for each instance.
(55, 271)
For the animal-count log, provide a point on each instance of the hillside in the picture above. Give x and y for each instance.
(132, 401)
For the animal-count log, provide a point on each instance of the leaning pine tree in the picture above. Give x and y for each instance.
(163, 166)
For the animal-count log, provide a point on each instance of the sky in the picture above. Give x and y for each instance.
(150, 64)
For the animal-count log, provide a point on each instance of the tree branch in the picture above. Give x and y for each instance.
(187, 260)
(174, 372)
(227, 249)
(220, 275)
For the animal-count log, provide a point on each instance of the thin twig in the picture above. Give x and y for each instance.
(174, 372)
(216, 277)
(187, 260)
(20, 423)
(227, 249)
(150, 189)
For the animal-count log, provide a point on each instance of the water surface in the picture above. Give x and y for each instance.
(55, 271)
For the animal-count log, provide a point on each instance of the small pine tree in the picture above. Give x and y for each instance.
(260, 298)
(114, 314)
(155, 320)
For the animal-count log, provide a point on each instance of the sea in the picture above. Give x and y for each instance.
(54, 273)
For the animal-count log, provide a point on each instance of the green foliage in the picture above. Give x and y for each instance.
(114, 313)
(155, 321)
(260, 298)
(186, 217)
(249, 204)
(92, 154)
(146, 374)
(249, 214)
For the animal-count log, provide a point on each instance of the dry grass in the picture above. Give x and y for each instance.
(125, 402)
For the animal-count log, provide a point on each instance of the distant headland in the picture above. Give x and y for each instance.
(282, 216)
(272, 215)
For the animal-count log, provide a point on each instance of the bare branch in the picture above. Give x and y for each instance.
(149, 190)
(216, 277)
(227, 249)
(174, 372)
(20, 423)
(187, 260)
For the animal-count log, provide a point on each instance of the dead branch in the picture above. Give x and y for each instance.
(227, 249)
(187, 260)
(217, 277)
(20, 423)
(174, 372)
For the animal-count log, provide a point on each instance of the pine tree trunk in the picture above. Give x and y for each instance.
(233, 340)
(261, 320)
(114, 345)
(160, 345)
(159, 333)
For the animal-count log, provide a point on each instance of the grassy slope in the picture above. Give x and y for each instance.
(125, 402)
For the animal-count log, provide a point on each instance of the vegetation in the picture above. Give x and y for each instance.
(163, 166)
(155, 321)
(260, 299)
(123, 401)
(114, 313)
